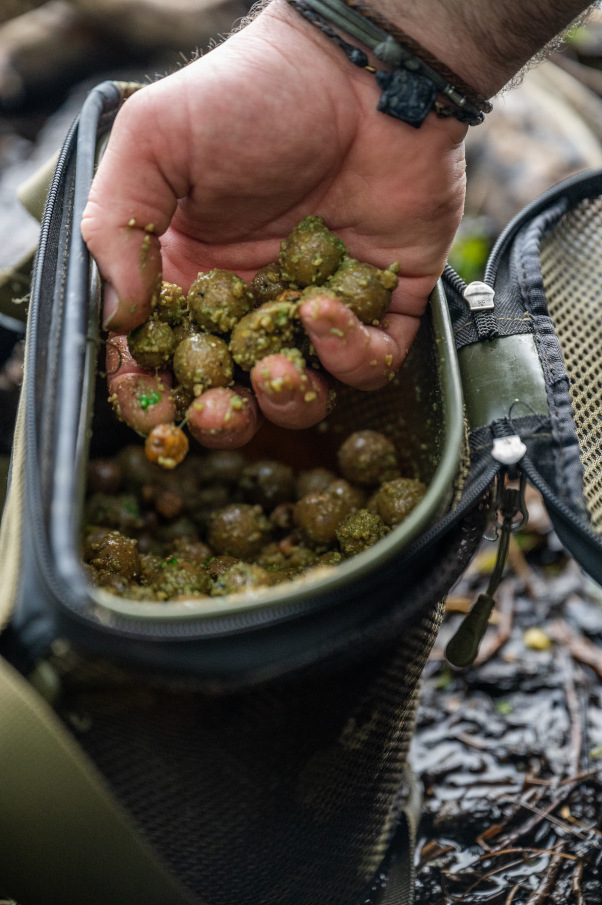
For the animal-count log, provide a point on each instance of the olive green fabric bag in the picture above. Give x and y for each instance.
(259, 746)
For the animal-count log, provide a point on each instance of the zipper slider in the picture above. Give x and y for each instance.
(480, 299)
(463, 647)
(479, 296)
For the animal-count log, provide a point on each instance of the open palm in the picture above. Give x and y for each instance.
(214, 165)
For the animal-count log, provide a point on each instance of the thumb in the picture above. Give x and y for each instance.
(131, 204)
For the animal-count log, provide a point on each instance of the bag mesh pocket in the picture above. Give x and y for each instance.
(276, 795)
(572, 275)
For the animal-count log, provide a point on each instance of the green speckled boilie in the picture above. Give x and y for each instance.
(264, 331)
(152, 344)
(365, 289)
(310, 254)
(360, 530)
(217, 300)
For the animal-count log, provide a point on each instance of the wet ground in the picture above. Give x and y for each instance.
(510, 751)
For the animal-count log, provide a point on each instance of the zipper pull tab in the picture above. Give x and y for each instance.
(463, 647)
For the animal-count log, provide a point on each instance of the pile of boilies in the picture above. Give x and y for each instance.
(224, 323)
(220, 524)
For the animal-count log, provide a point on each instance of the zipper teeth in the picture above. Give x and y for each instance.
(540, 484)
(454, 279)
(36, 522)
(468, 502)
(203, 627)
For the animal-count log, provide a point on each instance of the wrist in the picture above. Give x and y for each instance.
(412, 82)
(436, 30)
(487, 43)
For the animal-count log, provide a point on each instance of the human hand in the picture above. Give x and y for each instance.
(212, 166)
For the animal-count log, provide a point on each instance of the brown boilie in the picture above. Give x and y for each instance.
(368, 457)
(202, 361)
(364, 288)
(394, 500)
(221, 525)
(267, 284)
(239, 529)
(267, 482)
(171, 306)
(152, 344)
(264, 331)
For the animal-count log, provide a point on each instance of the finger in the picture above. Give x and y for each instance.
(289, 396)
(362, 356)
(224, 418)
(129, 207)
(140, 398)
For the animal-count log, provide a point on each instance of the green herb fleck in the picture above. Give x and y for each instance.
(152, 397)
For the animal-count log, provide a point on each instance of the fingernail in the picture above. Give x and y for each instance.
(280, 387)
(110, 306)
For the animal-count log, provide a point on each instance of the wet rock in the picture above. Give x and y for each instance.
(180, 24)
(48, 48)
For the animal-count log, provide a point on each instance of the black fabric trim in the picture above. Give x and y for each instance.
(568, 478)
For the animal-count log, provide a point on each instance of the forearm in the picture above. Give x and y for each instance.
(486, 42)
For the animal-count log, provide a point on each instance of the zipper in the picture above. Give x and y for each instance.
(480, 299)
(508, 234)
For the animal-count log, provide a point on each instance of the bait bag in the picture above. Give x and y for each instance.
(252, 749)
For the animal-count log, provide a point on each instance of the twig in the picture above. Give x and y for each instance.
(556, 852)
(495, 829)
(492, 873)
(511, 894)
(579, 647)
(522, 569)
(556, 783)
(557, 857)
(458, 604)
(492, 830)
(540, 815)
(429, 852)
(471, 741)
(576, 884)
(575, 716)
(541, 895)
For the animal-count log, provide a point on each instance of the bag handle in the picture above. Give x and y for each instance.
(63, 836)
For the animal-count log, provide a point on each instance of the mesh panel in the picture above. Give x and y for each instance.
(572, 275)
(289, 793)
(272, 796)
